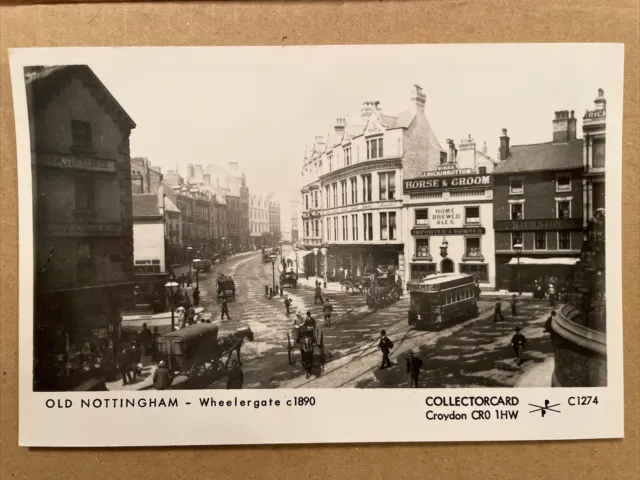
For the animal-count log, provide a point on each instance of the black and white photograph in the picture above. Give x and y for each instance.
(403, 226)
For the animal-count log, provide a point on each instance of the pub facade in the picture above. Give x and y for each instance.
(448, 216)
(538, 208)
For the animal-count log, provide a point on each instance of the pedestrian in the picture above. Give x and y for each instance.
(477, 290)
(517, 341)
(309, 321)
(181, 280)
(327, 309)
(136, 356)
(224, 309)
(318, 295)
(187, 300)
(287, 304)
(125, 366)
(385, 347)
(497, 311)
(191, 315)
(514, 312)
(180, 311)
(547, 324)
(196, 296)
(235, 379)
(162, 377)
(145, 338)
(188, 282)
(552, 295)
(414, 364)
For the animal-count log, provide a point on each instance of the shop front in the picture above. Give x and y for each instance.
(347, 261)
(76, 337)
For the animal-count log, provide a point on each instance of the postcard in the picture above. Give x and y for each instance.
(322, 244)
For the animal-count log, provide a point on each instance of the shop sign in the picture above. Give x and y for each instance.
(417, 287)
(544, 224)
(445, 216)
(448, 169)
(84, 229)
(593, 114)
(446, 182)
(425, 232)
(76, 163)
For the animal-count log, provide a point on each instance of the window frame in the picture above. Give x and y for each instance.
(466, 216)
(472, 269)
(558, 202)
(560, 175)
(521, 180)
(354, 226)
(535, 240)
(466, 248)
(84, 182)
(375, 147)
(415, 217)
(346, 153)
(416, 254)
(511, 205)
(384, 228)
(558, 239)
(75, 145)
(521, 239)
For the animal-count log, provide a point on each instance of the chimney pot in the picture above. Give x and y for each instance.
(504, 131)
(572, 113)
(504, 145)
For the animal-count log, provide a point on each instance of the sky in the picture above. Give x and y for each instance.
(260, 106)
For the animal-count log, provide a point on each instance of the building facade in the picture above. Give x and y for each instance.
(538, 207)
(295, 221)
(275, 229)
(83, 224)
(258, 220)
(352, 205)
(448, 216)
(145, 178)
(594, 133)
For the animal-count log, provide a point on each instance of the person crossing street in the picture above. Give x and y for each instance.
(327, 309)
(224, 309)
(414, 364)
(385, 345)
(287, 304)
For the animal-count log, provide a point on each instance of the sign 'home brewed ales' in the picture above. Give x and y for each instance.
(416, 185)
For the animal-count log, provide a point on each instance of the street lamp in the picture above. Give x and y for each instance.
(315, 254)
(323, 250)
(444, 247)
(189, 251)
(518, 249)
(171, 287)
(273, 273)
(296, 252)
(196, 262)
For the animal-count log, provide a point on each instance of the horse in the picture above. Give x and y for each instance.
(306, 354)
(233, 343)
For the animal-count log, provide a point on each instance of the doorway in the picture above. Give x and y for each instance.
(447, 266)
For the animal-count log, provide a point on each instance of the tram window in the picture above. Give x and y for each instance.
(458, 295)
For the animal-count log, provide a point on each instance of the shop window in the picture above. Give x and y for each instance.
(563, 182)
(517, 211)
(564, 240)
(516, 239)
(472, 247)
(422, 247)
(516, 186)
(563, 207)
(422, 216)
(420, 270)
(472, 215)
(81, 135)
(480, 271)
(599, 146)
(84, 193)
(540, 240)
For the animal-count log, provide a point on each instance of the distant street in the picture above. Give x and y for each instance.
(471, 353)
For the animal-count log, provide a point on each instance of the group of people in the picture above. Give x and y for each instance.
(550, 288)
(163, 377)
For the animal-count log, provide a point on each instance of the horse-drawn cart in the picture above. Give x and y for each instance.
(383, 289)
(288, 279)
(309, 340)
(226, 287)
(197, 352)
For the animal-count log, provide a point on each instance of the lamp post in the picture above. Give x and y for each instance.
(189, 251)
(171, 287)
(273, 273)
(196, 262)
(315, 254)
(296, 252)
(444, 248)
(518, 249)
(323, 250)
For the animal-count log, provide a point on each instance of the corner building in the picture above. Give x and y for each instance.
(352, 202)
(448, 215)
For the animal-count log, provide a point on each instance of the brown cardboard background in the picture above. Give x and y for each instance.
(244, 23)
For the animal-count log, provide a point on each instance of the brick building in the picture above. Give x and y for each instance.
(83, 225)
(538, 205)
(275, 229)
(452, 207)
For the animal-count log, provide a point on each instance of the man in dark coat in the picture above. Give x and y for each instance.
(309, 321)
(145, 339)
(236, 377)
(287, 303)
(224, 309)
(196, 296)
(549, 321)
(518, 341)
(327, 309)
(385, 347)
(497, 311)
(162, 377)
(318, 295)
(414, 364)
(514, 306)
(125, 366)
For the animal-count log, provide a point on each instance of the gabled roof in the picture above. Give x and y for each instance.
(541, 157)
(169, 206)
(402, 120)
(145, 205)
(47, 82)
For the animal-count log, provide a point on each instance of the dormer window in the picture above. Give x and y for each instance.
(374, 148)
(347, 156)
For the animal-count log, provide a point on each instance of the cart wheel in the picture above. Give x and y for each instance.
(198, 370)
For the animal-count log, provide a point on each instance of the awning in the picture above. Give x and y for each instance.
(544, 261)
(301, 255)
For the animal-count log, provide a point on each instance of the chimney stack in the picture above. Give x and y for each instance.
(601, 102)
(452, 151)
(418, 98)
(367, 109)
(564, 126)
(484, 148)
(504, 145)
(339, 126)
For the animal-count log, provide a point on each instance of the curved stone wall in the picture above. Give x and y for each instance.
(580, 352)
